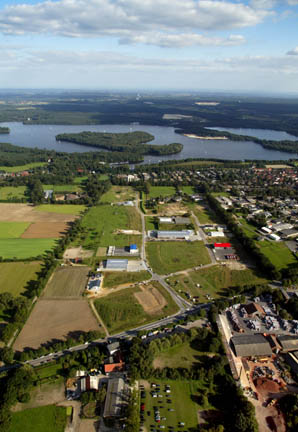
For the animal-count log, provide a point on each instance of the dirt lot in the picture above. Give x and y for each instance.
(67, 282)
(55, 319)
(28, 213)
(150, 299)
(172, 209)
(45, 230)
(79, 252)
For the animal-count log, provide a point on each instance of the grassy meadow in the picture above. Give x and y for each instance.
(42, 419)
(62, 209)
(15, 276)
(114, 279)
(278, 253)
(173, 256)
(10, 193)
(19, 168)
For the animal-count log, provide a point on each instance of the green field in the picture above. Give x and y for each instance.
(47, 371)
(63, 208)
(25, 248)
(62, 188)
(149, 223)
(118, 194)
(213, 280)
(189, 190)
(183, 356)
(121, 310)
(22, 167)
(101, 222)
(9, 193)
(79, 180)
(250, 230)
(205, 215)
(12, 229)
(161, 191)
(115, 279)
(183, 405)
(15, 275)
(170, 257)
(49, 418)
(278, 253)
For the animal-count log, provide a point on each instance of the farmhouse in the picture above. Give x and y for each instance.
(113, 348)
(174, 235)
(113, 367)
(94, 283)
(115, 399)
(253, 309)
(165, 220)
(126, 251)
(251, 346)
(116, 264)
(48, 194)
(89, 383)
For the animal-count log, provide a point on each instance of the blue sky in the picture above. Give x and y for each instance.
(245, 45)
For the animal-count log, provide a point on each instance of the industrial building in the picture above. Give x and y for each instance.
(251, 346)
(116, 264)
(288, 343)
(174, 235)
(115, 398)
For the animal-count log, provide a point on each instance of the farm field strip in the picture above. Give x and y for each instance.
(13, 229)
(69, 209)
(42, 419)
(55, 319)
(22, 167)
(10, 192)
(67, 282)
(118, 194)
(15, 276)
(22, 248)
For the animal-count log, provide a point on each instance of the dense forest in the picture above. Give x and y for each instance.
(130, 142)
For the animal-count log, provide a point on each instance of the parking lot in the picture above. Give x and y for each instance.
(161, 406)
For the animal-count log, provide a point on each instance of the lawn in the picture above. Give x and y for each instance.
(189, 190)
(121, 310)
(115, 279)
(149, 223)
(213, 281)
(10, 193)
(25, 248)
(205, 215)
(62, 188)
(182, 402)
(79, 180)
(47, 371)
(183, 356)
(12, 229)
(278, 253)
(15, 276)
(250, 230)
(62, 209)
(118, 194)
(161, 191)
(67, 282)
(42, 419)
(170, 257)
(22, 167)
(100, 225)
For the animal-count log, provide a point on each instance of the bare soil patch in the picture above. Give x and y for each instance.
(150, 299)
(173, 209)
(28, 213)
(45, 230)
(55, 319)
(79, 252)
(67, 282)
(47, 394)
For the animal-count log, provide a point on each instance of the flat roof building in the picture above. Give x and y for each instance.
(116, 264)
(175, 234)
(251, 346)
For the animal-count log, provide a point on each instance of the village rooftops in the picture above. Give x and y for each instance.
(115, 398)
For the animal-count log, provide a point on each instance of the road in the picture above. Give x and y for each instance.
(204, 237)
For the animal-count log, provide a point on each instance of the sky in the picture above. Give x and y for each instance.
(227, 45)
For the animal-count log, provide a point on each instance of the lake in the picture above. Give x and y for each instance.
(43, 136)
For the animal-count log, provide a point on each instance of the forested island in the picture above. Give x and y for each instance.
(129, 143)
(4, 130)
(284, 145)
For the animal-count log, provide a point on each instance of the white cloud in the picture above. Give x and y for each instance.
(293, 51)
(131, 20)
(166, 40)
(292, 2)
